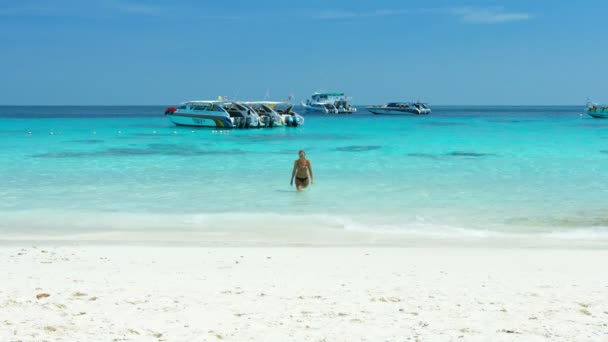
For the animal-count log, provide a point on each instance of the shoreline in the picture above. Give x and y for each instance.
(44, 227)
(318, 237)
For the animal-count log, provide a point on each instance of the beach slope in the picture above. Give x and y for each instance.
(145, 293)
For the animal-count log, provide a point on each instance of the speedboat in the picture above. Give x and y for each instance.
(268, 116)
(317, 107)
(250, 119)
(401, 108)
(214, 114)
(597, 111)
(285, 110)
(328, 103)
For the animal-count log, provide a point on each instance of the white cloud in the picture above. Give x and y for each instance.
(27, 10)
(487, 15)
(79, 8)
(134, 7)
(492, 15)
(345, 14)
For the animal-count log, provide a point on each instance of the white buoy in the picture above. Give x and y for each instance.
(29, 132)
(51, 133)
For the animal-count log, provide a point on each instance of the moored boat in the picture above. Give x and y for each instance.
(285, 111)
(401, 108)
(202, 114)
(268, 116)
(329, 103)
(597, 111)
(232, 114)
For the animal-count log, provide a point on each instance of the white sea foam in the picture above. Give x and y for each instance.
(272, 229)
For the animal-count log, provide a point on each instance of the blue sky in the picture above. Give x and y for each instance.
(164, 52)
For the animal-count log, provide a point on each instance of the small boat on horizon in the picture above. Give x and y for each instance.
(597, 111)
(329, 103)
(401, 108)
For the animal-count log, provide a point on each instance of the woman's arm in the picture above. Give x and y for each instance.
(293, 173)
(312, 179)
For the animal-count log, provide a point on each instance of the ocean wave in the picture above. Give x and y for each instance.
(273, 228)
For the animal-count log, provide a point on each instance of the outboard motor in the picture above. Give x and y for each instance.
(289, 120)
(266, 121)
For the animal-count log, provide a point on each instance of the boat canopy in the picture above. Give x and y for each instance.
(270, 104)
(328, 94)
(214, 106)
(200, 102)
(401, 104)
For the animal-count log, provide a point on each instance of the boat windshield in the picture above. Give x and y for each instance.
(234, 109)
(233, 106)
(261, 109)
(208, 107)
(283, 108)
(341, 103)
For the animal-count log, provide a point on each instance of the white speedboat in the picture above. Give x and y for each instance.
(401, 108)
(285, 110)
(329, 103)
(268, 116)
(325, 108)
(214, 114)
(243, 116)
(597, 111)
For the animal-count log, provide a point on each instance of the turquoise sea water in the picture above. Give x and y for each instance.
(460, 172)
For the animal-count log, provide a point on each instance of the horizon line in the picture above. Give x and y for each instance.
(296, 104)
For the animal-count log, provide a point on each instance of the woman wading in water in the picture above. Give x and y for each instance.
(301, 171)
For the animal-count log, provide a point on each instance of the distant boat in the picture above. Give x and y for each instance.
(401, 108)
(329, 103)
(597, 111)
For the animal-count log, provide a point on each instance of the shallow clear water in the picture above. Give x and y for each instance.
(459, 171)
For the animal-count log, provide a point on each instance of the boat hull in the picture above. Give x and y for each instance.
(598, 112)
(314, 109)
(200, 121)
(347, 111)
(599, 115)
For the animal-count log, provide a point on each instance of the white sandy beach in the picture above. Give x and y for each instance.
(138, 293)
